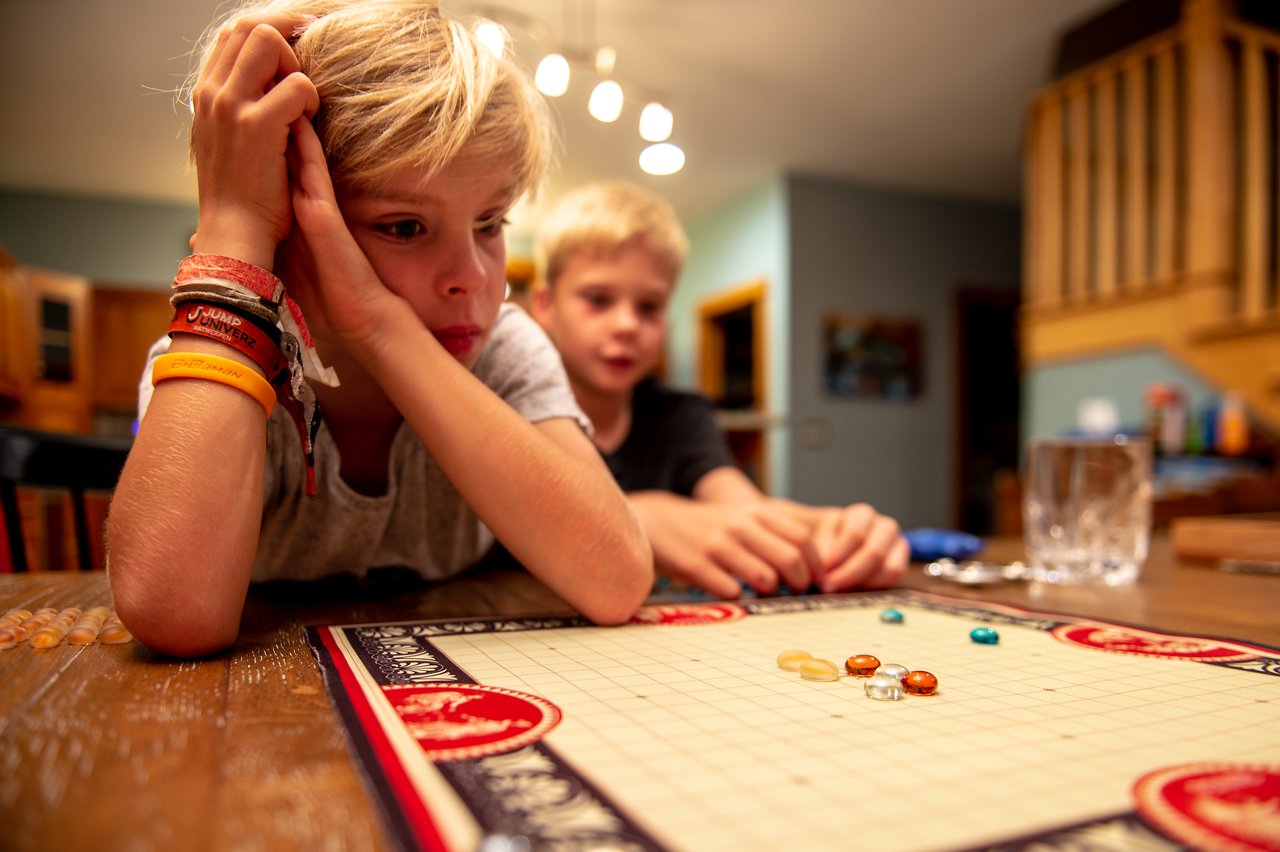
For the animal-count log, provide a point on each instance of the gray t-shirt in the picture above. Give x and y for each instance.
(421, 522)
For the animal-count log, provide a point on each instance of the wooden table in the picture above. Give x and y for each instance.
(111, 747)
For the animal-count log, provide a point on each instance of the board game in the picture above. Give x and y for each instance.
(679, 731)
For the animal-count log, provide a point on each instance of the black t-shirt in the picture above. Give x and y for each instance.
(673, 442)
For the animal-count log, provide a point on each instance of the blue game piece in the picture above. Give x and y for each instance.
(984, 636)
(929, 544)
(891, 616)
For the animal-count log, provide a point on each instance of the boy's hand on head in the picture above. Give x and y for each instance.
(345, 289)
(859, 547)
(248, 95)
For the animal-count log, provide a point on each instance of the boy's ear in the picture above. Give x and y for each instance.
(540, 302)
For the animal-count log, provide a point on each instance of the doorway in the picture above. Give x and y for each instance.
(988, 403)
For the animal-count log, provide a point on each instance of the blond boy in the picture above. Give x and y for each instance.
(359, 156)
(609, 255)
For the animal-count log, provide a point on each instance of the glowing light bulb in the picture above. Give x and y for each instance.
(606, 58)
(492, 36)
(552, 76)
(606, 101)
(662, 159)
(655, 123)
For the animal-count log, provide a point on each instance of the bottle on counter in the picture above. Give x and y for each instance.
(1232, 428)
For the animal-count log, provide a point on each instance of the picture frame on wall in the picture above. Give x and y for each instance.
(872, 357)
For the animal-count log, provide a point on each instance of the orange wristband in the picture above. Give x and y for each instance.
(213, 368)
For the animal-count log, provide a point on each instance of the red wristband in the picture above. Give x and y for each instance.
(235, 330)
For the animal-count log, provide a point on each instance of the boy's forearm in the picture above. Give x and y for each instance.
(184, 518)
(557, 511)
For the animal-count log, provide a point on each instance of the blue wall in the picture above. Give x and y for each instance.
(1051, 393)
(826, 246)
(863, 250)
(127, 243)
(742, 242)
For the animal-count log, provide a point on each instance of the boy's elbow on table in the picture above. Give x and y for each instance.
(615, 598)
(172, 617)
(177, 632)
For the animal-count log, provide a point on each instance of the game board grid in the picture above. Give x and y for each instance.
(687, 713)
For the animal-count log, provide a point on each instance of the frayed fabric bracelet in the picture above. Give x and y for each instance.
(212, 270)
(213, 368)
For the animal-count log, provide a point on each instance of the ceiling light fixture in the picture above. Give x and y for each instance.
(492, 36)
(552, 76)
(578, 49)
(606, 101)
(655, 122)
(662, 159)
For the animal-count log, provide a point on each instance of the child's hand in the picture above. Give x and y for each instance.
(248, 95)
(713, 546)
(343, 291)
(859, 547)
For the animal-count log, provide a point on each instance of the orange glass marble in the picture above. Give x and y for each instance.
(862, 665)
(920, 683)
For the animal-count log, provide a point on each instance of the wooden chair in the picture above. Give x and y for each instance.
(73, 464)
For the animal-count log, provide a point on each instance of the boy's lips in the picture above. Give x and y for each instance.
(619, 363)
(457, 339)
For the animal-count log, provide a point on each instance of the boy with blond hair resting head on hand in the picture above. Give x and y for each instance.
(608, 257)
(356, 162)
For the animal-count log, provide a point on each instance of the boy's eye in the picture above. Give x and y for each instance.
(405, 229)
(649, 309)
(492, 226)
(597, 300)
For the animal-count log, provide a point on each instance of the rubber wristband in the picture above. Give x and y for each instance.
(213, 368)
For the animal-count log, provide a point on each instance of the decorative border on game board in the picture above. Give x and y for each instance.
(531, 792)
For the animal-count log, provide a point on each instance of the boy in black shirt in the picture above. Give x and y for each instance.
(609, 255)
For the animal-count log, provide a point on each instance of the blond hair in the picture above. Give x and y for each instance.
(603, 218)
(403, 86)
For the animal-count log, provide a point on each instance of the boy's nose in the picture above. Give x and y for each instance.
(625, 319)
(462, 272)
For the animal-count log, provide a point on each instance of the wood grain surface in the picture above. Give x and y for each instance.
(110, 747)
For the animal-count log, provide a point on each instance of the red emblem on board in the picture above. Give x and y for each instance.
(1213, 806)
(459, 721)
(1144, 643)
(702, 613)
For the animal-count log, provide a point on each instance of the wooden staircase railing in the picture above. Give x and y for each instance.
(1151, 214)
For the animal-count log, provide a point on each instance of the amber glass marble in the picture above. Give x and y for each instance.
(862, 665)
(920, 683)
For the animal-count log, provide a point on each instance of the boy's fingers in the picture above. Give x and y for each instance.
(769, 558)
(852, 526)
(878, 546)
(824, 538)
(890, 572)
(311, 168)
(808, 568)
(734, 558)
(266, 61)
(293, 96)
(249, 56)
(714, 581)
